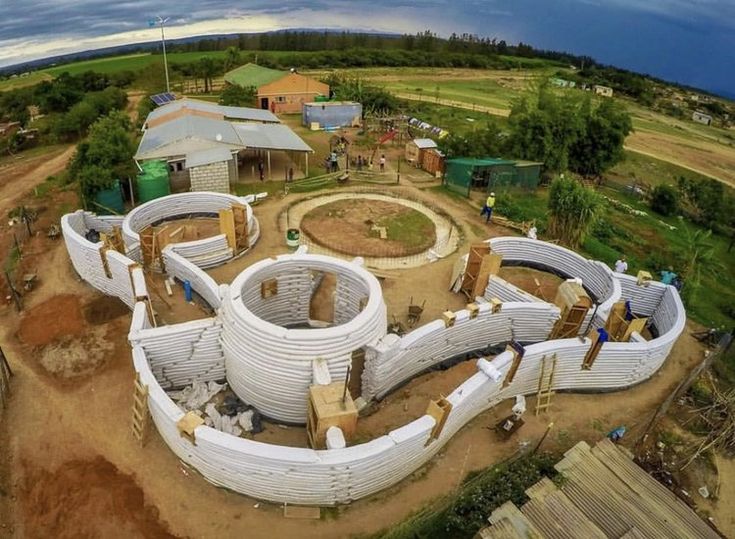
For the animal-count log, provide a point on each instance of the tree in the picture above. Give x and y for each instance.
(232, 58)
(573, 209)
(700, 258)
(665, 199)
(106, 155)
(599, 145)
(488, 141)
(237, 96)
(543, 127)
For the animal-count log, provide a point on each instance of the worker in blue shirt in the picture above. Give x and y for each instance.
(668, 276)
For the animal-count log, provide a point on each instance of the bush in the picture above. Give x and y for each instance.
(665, 199)
(573, 209)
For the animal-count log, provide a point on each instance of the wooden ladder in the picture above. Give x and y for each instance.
(141, 417)
(545, 383)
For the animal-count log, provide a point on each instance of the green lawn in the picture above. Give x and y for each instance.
(22, 82)
(648, 169)
(130, 62)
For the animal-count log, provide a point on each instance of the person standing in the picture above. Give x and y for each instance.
(621, 265)
(261, 169)
(488, 208)
(668, 276)
(359, 163)
(333, 158)
(382, 163)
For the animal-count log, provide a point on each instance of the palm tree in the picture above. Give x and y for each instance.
(232, 58)
(700, 259)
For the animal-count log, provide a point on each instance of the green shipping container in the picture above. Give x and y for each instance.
(153, 181)
(109, 201)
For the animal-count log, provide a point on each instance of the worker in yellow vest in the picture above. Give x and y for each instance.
(487, 209)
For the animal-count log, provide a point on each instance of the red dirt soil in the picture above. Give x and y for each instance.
(64, 311)
(69, 501)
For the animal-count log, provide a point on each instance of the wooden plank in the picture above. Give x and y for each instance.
(636, 325)
(439, 410)
(474, 261)
(227, 227)
(490, 265)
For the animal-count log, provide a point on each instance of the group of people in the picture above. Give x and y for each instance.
(668, 276)
(331, 163)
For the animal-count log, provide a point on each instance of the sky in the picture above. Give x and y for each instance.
(688, 41)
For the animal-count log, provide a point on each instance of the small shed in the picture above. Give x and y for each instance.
(604, 91)
(488, 174)
(416, 148)
(332, 114)
(702, 118)
(432, 161)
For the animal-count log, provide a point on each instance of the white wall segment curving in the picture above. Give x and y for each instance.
(596, 277)
(206, 252)
(184, 270)
(498, 287)
(87, 259)
(394, 361)
(270, 365)
(180, 354)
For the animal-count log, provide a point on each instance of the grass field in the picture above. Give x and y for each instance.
(23, 82)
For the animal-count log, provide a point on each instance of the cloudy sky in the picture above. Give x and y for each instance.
(691, 41)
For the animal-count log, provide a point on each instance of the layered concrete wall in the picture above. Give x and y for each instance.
(270, 365)
(271, 360)
(206, 252)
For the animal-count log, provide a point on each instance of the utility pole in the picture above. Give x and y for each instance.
(160, 21)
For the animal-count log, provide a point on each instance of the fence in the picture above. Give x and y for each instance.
(14, 282)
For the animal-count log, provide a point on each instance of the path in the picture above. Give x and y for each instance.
(20, 178)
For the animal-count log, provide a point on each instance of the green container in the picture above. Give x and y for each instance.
(292, 237)
(153, 181)
(109, 201)
(321, 99)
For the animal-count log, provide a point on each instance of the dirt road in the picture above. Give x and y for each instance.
(19, 177)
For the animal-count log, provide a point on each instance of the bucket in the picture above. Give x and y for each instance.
(292, 237)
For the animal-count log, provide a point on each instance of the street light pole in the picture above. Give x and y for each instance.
(161, 21)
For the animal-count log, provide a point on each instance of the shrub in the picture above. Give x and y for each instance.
(665, 199)
(573, 209)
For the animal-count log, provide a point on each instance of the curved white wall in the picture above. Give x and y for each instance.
(596, 276)
(178, 354)
(205, 253)
(269, 365)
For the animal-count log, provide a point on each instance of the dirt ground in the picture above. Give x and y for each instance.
(69, 465)
(347, 226)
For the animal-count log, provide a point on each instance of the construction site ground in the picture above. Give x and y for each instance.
(70, 467)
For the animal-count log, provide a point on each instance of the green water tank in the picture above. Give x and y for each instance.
(153, 181)
(109, 201)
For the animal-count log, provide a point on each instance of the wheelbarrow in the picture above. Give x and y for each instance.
(414, 312)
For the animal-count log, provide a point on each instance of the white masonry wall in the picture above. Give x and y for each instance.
(269, 365)
(180, 354)
(326, 477)
(396, 360)
(214, 177)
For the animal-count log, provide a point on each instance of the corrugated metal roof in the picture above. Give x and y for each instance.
(424, 143)
(270, 137)
(236, 113)
(207, 157)
(188, 134)
(196, 127)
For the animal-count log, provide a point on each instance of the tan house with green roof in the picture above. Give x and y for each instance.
(278, 91)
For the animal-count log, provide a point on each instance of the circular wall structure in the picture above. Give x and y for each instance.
(270, 341)
(206, 252)
(447, 234)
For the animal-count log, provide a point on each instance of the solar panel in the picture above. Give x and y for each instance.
(162, 99)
